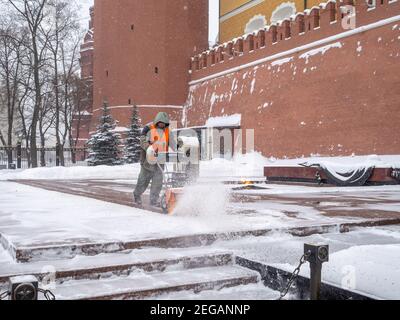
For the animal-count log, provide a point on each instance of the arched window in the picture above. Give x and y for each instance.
(257, 22)
(283, 11)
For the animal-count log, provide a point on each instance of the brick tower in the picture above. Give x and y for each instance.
(142, 52)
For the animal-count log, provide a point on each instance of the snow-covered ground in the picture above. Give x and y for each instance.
(242, 166)
(31, 216)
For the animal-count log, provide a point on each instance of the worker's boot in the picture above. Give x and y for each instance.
(137, 200)
(155, 202)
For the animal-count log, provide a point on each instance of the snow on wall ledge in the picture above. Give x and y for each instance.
(318, 93)
(225, 121)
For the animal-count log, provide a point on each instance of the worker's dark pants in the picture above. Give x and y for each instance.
(145, 176)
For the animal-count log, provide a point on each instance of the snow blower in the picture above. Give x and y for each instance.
(185, 170)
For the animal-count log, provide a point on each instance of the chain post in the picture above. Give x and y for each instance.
(319, 255)
(26, 288)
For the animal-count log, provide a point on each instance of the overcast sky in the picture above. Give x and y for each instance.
(213, 16)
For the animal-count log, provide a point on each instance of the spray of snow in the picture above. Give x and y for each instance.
(205, 201)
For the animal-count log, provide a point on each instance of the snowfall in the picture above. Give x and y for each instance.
(365, 260)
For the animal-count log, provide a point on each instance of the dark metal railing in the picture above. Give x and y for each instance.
(18, 157)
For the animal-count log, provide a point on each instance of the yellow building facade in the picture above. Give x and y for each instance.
(238, 17)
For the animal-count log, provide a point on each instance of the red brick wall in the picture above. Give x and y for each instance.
(123, 114)
(165, 35)
(343, 101)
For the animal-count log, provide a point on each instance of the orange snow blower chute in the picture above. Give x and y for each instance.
(171, 199)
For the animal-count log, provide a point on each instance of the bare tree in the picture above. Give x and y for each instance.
(32, 14)
(25, 110)
(2, 139)
(64, 46)
(12, 53)
(46, 95)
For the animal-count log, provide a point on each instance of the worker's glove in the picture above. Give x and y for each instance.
(155, 148)
(152, 154)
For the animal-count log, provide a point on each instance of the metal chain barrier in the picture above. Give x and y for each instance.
(294, 275)
(47, 294)
(4, 295)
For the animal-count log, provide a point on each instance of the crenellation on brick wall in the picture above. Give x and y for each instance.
(249, 43)
(327, 14)
(318, 21)
(315, 17)
(298, 25)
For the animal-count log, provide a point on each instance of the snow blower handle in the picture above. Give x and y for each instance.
(166, 192)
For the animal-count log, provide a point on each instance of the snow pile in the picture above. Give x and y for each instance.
(342, 163)
(205, 201)
(372, 269)
(4, 256)
(73, 173)
(364, 260)
(346, 174)
(225, 121)
(342, 169)
(247, 165)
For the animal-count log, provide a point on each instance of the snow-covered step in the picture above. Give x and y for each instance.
(306, 228)
(254, 291)
(142, 285)
(116, 264)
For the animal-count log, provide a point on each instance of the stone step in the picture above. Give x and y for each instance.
(141, 285)
(68, 251)
(118, 264)
(253, 291)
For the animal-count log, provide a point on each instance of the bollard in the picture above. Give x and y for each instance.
(316, 255)
(24, 288)
(19, 155)
(57, 155)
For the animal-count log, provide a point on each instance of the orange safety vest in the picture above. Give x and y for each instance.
(162, 141)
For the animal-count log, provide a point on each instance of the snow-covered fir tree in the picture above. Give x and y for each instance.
(132, 142)
(103, 145)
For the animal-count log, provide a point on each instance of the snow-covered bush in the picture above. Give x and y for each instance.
(103, 145)
(132, 142)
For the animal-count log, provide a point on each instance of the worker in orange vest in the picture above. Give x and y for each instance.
(156, 138)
